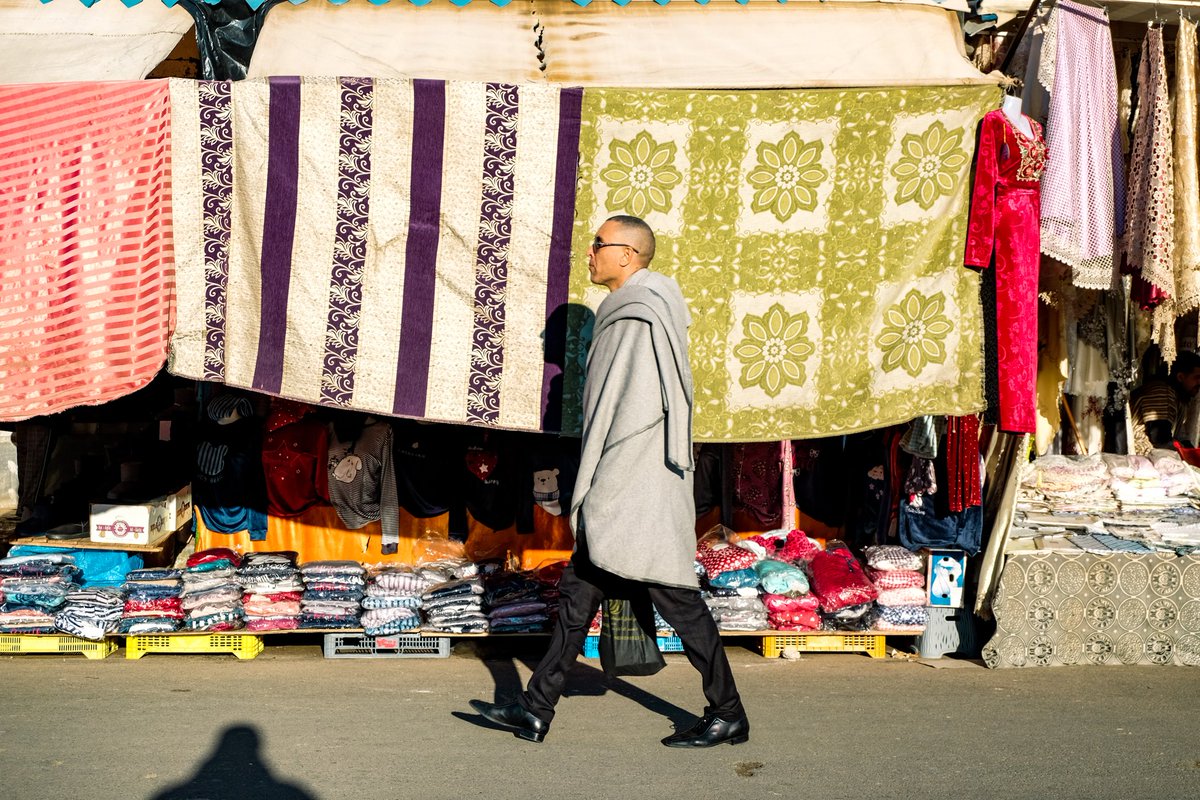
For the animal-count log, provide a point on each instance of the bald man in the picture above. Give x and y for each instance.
(633, 513)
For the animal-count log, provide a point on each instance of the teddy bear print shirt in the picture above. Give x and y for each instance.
(362, 482)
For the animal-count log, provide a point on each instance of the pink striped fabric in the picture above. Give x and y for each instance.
(87, 288)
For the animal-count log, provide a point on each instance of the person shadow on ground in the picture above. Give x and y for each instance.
(235, 771)
(584, 680)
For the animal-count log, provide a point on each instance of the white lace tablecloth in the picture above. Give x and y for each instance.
(1054, 609)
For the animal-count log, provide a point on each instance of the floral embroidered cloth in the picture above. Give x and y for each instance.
(392, 246)
(817, 237)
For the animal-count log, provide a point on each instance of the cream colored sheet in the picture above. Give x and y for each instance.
(66, 41)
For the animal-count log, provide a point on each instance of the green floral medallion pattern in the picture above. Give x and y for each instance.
(930, 167)
(787, 176)
(914, 333)
(774, 350)
(641, 175)
(817, 236)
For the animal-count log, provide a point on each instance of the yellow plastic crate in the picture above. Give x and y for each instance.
(242, 645)
(869, 643)
(55, 643)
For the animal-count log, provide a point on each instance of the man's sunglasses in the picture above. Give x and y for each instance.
(599, 244)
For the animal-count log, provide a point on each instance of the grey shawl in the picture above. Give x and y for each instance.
(633, 499)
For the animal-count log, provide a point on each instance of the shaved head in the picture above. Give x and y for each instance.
(637, 233)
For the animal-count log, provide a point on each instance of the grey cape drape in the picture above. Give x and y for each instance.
(633, 499)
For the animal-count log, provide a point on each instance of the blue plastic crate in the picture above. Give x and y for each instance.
(666, 644)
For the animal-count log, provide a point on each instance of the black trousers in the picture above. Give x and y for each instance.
(582, 588)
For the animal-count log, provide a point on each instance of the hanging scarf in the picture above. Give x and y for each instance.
(1187, 179)
(1150, 239)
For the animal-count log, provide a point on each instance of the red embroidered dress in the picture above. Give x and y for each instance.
(1004, 229)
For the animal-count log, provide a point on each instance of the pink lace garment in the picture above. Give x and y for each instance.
(1083, 188)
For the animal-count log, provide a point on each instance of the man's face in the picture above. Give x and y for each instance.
(606, 264)
(1190, 381)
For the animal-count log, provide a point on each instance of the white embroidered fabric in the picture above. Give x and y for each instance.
(1083, 188)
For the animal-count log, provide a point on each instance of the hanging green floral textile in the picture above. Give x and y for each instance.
(818, 238)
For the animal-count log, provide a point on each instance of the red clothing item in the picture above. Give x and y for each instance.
(1005, 230)
(838, 580)
(214, 554)
(293, 459)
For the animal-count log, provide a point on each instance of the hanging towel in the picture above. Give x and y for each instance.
(391, 246)
(86, 291)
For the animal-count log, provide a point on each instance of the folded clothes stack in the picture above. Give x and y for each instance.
(737, 613)
(34, 588)
(730, 584)
(513, 603)
(152, 603)
(896, 573)
(333, 593)
(455, 607)
(91, 613)
(212, 594)
(841, 585)
(393, 599)
(790, 606)
(549, 575)
(271, 591)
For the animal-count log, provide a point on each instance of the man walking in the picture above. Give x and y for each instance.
(632, 512)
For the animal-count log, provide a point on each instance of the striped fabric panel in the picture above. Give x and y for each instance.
(394, 246)
(491, 265)
(350, 247)
(86, 292)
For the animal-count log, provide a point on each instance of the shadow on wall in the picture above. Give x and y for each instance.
(236, 770)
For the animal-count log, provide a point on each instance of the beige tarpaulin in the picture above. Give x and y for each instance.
(723, 44)
(478, 42)
(727, 45)
(66, 41)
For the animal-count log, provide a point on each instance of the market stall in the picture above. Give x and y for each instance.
(395, 251)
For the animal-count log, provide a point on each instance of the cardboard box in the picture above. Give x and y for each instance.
(132, 524)
(182, 507)
(945, 575)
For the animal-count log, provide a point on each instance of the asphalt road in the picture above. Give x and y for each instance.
(292, 724)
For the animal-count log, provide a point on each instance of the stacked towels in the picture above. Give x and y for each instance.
(455, 606)
(91, 613)
(514, 603)
(212, 595)
(393, 599)
(333, 593)
(33, 588)
(271, 591)
(152, 603)
(896, 573)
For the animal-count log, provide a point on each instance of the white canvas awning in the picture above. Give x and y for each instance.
(720, 44)
(67, 42)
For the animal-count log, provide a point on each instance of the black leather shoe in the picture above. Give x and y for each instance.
(711, 730)
(524, 725)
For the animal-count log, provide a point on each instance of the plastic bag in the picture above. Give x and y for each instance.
(735, 579)
(719, 551)
(628, 645)
(780, 578)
